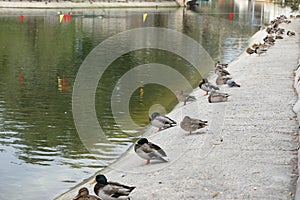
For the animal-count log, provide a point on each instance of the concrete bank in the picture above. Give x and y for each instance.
(89, 4)
(248, 151)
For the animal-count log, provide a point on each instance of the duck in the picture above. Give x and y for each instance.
(190, 124)
(207, 86)
(260, 50)
(83, 194)
(232, 83)
(270, 30)
(221, 80)
(149, 151)
(222, 72)
(269, 40)
(280, 31)
(290, 33)
(161, 121)
(260, 45)
(216, 97)
(107, 190)
(185, 97)
(250, 51)
(221, 65)
(278, 37)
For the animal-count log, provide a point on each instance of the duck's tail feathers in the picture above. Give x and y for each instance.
(165, 159)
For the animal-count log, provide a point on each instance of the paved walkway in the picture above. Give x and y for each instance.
(248, 151)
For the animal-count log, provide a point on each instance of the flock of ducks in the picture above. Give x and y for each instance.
(147, 150)
(274, 32)
(106, 190)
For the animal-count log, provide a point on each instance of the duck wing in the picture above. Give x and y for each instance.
(158, 149)
(211, 86)
(122, 189)
(198, 123)
(114, 191)
(165, 120)
(151, 151)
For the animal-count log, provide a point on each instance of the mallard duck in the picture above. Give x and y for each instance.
(269, 40)
(232, 83)
(220, 65)
(111, 190)
(260, 45)
(207, 86)
(270, 30)
(190, 124)
(250, 51)
(221, 72)
(259, 50)
(290, 33)
(216, 97)
(221, 80)
(161, 121)
(254, 45)
(280, 31)
(278, 37)
(83, 194)
(185, 97)
(149, 151)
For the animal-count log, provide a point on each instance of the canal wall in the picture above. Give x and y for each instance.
(90, 4)
(249, 149)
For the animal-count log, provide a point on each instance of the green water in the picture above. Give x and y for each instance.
(41, 154)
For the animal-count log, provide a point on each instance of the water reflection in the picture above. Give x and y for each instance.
(39, 59)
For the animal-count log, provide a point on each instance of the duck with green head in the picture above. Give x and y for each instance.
(149, 151)
(207, 86)
(107, 190)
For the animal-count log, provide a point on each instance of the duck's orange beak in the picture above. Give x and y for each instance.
(93, 182)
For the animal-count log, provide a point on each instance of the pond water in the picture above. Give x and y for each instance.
(41, 154)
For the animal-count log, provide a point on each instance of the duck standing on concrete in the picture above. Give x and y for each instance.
(111, 190)
(207, 86)
(149, 151)
(191, 124)
(83, 194)
(217, 97)
(161, 121)
(221, 80)
(185, 97)
(260, 50)
(221, 65)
